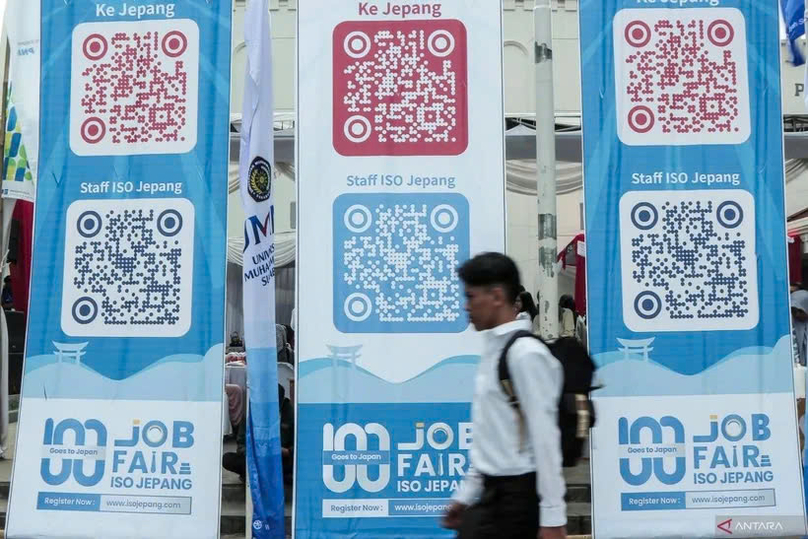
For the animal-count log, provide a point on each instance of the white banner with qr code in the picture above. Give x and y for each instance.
(401, 180)
(688, 310)
(119, 431)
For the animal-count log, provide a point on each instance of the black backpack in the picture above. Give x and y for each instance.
(576, 414)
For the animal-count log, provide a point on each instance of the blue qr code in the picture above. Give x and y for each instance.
(689, 256)
(128, 268)
(395, 263)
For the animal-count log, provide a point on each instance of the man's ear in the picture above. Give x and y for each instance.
(499, 295)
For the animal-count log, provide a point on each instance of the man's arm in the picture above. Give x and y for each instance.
(468, 493)
(537, 378)
(470, 488)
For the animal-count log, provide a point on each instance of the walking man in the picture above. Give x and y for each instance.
(514, 488)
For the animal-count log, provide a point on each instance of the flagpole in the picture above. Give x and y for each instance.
(545, 171)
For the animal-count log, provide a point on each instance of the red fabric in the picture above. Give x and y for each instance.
(580, 272)
(580, 285)
(794, 260)
(21, 271)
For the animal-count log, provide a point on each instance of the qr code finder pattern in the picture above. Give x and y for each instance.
(130, 260)
(698, 260)
(409, 273)
(130, 93)
(400, 88)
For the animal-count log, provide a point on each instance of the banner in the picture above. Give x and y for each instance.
(20, 151)
(688, 304)
(400, 134)
(120, 419)
(256, 169)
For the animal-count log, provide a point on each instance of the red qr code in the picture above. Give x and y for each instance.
(681, 76)
(134, 87)
(400, 88)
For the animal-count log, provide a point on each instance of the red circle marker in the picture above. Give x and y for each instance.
(93, 130)
(357, 129)
(356, 44)
(174, 44)
(441, 44)
(360, 132)
(637, 34)
(94, 47)
(641, 119)
(720, 33)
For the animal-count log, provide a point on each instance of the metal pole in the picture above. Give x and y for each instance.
(545, 170)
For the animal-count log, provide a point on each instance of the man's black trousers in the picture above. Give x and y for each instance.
(508, 509)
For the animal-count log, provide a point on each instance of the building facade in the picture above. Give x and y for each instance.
(520, 102)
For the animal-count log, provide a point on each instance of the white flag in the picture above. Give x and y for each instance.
(257, 174)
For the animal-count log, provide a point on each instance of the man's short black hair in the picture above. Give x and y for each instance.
(492, 269)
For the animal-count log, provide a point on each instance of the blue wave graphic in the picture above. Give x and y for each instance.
(46, 377)
(37, 362)
(750, 370)
(330, 380)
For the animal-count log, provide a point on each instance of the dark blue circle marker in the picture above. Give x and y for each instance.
(729, 214)
(647, 305)
(644, 216)
(89, 224)
(85, 310)
(169, 223)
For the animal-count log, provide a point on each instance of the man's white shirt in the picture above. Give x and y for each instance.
(496, 449)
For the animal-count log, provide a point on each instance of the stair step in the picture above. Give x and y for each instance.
(3, 510)
(579, 518)
(233, 521)
(233, 493)
(579, 494)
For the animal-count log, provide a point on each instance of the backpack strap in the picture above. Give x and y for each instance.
(504, 374)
